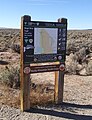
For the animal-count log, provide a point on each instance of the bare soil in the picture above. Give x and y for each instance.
(77, 103)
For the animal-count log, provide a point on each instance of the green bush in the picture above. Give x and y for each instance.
(11, 77)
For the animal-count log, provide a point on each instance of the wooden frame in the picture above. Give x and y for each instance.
(25, 75)
(59, 79)
(25, 78)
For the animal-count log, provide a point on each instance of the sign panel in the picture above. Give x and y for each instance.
(44, 41)
(44, 68)
(47, 68)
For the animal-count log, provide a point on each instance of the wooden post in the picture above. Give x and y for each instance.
(59, 86)
(25, 92)
(25, 78)
(59, 78)
(56, 87)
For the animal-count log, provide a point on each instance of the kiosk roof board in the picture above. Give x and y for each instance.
(44, 41)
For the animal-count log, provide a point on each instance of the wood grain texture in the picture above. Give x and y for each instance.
(25, 78)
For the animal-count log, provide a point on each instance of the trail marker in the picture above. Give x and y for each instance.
(42, 42)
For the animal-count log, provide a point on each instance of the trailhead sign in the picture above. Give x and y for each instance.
(44, 42)
(43, 49)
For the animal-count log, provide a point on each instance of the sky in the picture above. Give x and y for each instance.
(77, 12)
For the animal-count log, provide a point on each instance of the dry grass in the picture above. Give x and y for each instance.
(38, 98)
(11, 97)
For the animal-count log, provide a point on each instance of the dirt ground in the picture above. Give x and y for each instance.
(77, 102)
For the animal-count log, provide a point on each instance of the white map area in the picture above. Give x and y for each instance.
(45, 40)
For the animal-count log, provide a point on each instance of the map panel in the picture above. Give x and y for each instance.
(45, 40)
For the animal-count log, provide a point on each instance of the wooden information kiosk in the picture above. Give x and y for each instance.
(42, 42)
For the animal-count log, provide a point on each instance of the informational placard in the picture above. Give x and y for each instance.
(43, 49)
(44, 41)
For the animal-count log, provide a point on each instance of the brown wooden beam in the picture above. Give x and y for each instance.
(25, 78)
(59, 77)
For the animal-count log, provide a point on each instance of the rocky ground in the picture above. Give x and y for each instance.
(77, 103)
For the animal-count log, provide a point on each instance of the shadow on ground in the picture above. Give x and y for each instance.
(63, 114)
(76, 106)
(3, 62)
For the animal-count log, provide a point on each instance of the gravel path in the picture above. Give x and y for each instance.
(77, 103)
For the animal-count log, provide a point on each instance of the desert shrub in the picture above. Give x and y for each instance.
(82, 55)
(72, 68)
(89, 68)
(90, 45)
(72, 64)
(82, 52)
(71, 46)
(16, 47)
(11, 77)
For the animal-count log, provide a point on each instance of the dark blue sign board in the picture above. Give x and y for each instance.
(44, 41)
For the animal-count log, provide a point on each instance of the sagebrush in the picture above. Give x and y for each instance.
(11, 77)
